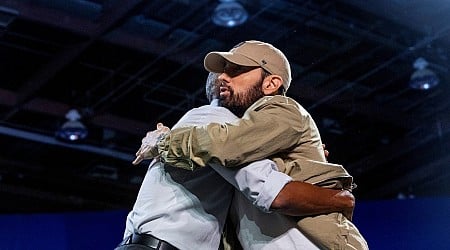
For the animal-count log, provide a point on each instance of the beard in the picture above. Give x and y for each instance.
(240, 102)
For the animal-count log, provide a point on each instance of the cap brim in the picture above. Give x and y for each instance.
(215, 61)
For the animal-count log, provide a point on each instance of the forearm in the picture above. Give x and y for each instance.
(303, 199)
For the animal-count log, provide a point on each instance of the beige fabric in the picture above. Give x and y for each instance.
(332, 231)
(272, 124)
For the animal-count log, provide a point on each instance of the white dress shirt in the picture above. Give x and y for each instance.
(188, 208)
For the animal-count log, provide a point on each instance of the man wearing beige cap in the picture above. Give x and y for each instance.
(274, 126)
(184, 209)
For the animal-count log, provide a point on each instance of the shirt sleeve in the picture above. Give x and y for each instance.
(260, 181)
(271, 125)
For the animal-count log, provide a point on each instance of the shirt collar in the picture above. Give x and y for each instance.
(214, 102)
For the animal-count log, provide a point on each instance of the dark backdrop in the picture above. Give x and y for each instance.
(386, 224)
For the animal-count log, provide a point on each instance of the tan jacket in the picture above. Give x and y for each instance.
(272, 124)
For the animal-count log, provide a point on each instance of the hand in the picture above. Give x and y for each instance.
(148, 149)
(325, 151)
(348, 203)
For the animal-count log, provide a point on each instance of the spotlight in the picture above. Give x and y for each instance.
(423, 78)
(72, 130)
(229, 13)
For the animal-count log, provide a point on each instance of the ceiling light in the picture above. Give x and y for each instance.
(229, 13)
(72, 130)
(423, 78)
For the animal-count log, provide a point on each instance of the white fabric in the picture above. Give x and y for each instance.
(257, 230)
(188, 208)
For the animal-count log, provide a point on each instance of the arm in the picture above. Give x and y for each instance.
(301, 199)
(270, 190)
(250, 139)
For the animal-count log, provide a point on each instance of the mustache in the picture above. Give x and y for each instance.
(224, 88)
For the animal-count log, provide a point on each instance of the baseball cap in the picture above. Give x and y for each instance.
(252, 53)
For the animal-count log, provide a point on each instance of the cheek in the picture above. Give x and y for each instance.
(241, 89)
(238, 85)
(246, 82)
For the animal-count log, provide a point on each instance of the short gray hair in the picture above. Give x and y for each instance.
(212, 86)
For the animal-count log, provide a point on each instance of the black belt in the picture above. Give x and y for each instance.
(148, 240)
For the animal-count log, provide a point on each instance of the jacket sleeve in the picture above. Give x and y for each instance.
(271, 125)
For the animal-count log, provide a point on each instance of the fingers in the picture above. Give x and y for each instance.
(138, 160)
(139, 156)
(139, 151)
(348, 215)
(326, 152)
(160, 126)
(149, 143)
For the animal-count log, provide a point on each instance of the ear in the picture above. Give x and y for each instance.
(271, 84)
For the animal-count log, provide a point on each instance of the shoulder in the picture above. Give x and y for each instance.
(278, 101)
(206, 114)
(281, 106)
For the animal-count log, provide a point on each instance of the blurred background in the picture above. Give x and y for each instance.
(81, 81)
